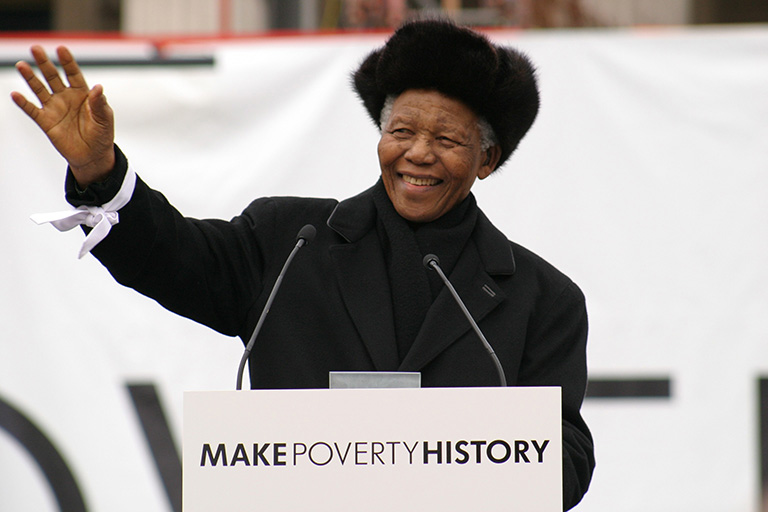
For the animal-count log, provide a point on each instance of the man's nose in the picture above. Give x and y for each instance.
(421, 151)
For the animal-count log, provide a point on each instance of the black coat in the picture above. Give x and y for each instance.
(334, 310)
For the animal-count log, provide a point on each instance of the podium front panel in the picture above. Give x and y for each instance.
(447, 449)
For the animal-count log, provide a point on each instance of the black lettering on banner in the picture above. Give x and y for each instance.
(258, 454)
(540, 449)
(358, 452)
(520, 448)
(278, 453)
(158, 435)
(464, 455)
(478, 450)
(240, 455)
(437, 451)
(393, 444)
(601, 388)
(377, 448)
(342, 458)
(312, 450)
(168, 463)
(207, 453)
(410, 450)
(507, 451)
(53, 466)
(762, 385)
(296, 453)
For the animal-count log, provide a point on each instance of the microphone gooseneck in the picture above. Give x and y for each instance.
(305, 236)
(432, 262)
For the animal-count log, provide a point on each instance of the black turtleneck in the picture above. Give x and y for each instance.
(405, 244)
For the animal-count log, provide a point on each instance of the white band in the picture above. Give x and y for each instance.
(100, 218)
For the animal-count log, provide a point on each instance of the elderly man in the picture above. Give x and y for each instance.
(451, 107)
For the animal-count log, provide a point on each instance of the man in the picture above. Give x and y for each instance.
(451, 107)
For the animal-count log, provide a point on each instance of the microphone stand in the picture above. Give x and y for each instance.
(306, 234)
(432, 262)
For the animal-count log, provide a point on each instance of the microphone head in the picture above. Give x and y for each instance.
(307, 233)
(428, 259)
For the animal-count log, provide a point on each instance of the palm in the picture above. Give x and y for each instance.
(77, 120)
(67, 121)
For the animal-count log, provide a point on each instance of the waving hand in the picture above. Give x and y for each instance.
(77, 120)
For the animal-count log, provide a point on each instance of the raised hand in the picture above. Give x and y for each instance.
(77, 120)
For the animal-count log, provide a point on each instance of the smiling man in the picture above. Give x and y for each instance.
(431, 151)
(451, 107)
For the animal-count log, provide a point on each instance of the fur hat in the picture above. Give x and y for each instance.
(498, 83)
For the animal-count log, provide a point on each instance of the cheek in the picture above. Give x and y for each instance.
(385, 153)
(463, 170)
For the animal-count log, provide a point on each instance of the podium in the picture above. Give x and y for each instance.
(446, 449)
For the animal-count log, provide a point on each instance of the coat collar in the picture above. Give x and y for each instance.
(353, 218)
(364, 285)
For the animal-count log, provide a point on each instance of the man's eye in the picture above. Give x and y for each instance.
(445, 141)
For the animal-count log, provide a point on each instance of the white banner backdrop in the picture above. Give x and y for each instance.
(644, 179)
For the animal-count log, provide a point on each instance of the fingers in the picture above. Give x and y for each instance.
(30, 109)
(48, 69)
(37, 87)
(100, 109)
(74, 75)
(51, 74)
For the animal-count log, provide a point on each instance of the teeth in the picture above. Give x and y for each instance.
(420, 182)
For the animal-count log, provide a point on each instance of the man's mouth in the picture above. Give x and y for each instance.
(420, 182)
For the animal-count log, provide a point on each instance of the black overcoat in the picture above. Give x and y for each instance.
(334, 309)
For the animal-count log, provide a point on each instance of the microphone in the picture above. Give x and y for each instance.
(306, 235)
(431, 262)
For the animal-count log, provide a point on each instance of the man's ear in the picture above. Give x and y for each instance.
(492, 156)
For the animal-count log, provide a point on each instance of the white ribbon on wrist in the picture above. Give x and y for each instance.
(100, 218)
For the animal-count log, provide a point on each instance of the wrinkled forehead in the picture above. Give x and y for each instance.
(429, 107)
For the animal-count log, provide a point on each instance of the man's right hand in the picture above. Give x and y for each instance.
(77, 120)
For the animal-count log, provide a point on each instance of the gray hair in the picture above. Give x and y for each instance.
(487, 135)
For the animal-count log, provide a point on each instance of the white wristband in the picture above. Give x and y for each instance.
(100, 218)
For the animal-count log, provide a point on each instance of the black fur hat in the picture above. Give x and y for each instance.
(497, 83)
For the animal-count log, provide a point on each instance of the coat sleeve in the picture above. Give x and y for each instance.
(210, 271)
(555, 354)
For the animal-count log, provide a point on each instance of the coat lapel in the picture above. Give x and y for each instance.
(445, 322)
(487, 253)
(362, 277)
(364, 285)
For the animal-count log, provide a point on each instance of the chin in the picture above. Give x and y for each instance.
(412, 215)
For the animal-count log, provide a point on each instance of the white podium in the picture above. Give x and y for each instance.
(446, 449)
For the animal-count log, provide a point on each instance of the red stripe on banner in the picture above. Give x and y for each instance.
(225, 33)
